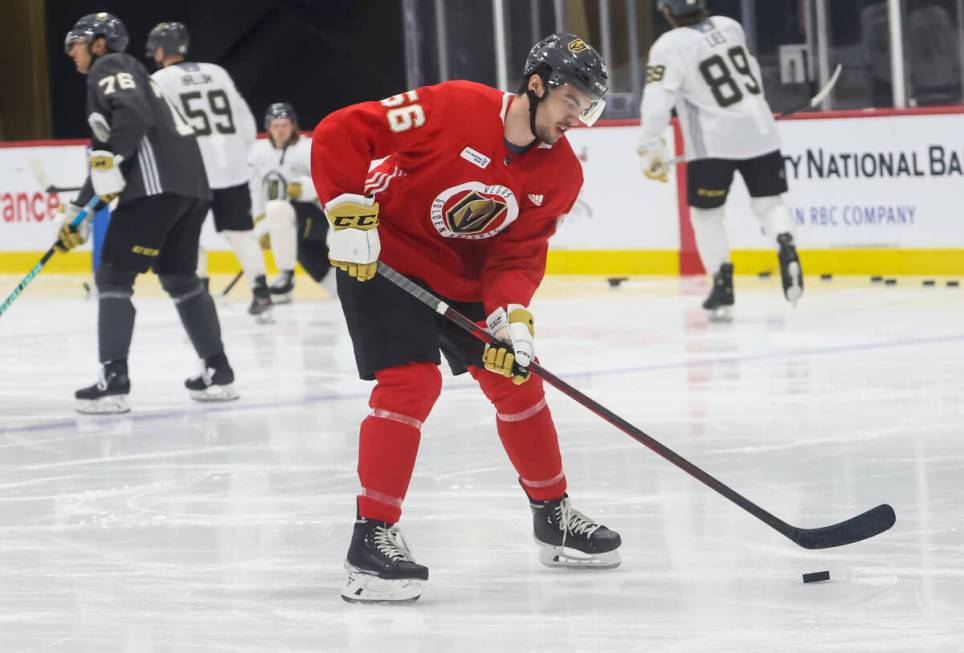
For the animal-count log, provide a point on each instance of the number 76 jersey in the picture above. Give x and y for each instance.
(206, 97)
(707, 73)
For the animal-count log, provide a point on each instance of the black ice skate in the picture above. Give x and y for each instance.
(567, 538)
(380, 566)
(261, 301)
(214, 383)
(282, 287)
(719, 304)
(109, 394)
(790, 270)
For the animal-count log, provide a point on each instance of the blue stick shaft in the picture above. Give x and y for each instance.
(84, 212)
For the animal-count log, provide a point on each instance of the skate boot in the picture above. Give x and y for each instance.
(109, 394)
(790, 270)
(261, 301)
(567, 538)
(282, 287)
(215, 382)
(380, 566)
(719, 304)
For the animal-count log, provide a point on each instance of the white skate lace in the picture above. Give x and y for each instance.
(102, 379)
(206, 375)
(390, 543)
(573, 521)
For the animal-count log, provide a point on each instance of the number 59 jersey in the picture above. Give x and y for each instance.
(205, 95)
(706, 71)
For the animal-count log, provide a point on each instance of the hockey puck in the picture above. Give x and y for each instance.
(953, 284)
(615, 282)
(929, 283)
(764, 275)
(826, 277)
(816, 577)
(876, 279)
(890, 282)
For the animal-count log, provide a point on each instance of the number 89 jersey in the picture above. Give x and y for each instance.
(206, 97)
(706, 71)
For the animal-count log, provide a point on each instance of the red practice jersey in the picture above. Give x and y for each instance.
(458, 210)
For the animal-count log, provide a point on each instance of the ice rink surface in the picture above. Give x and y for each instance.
(184, 527)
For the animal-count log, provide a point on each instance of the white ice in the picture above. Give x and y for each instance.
(184, 527)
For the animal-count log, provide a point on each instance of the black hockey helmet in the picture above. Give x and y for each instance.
(280, 110)
(173, 37)
(683, 8)
(93, 26)
(562, 58)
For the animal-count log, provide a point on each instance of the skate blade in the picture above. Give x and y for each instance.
(795, 290)
(368, 588)
(563, 556)
(111, 405)
(283, 298)
(264, 318)
(215, 393)
(720, 315)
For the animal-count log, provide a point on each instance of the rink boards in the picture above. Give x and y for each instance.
(872, 192)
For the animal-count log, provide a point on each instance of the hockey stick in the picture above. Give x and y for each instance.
(812, 103)
(821, 95)
(237, 277)
(87, 209)
(873, 522)
(37, 168)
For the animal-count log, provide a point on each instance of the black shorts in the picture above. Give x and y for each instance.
(232, 209)
(312, 223)
(708, 180)
(389, 328)
(157, 231)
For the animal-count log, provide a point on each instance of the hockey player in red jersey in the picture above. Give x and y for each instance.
(465, 202)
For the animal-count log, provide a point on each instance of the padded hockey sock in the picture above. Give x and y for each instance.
(248, 251)
(389, 437)
(527, 432)
(711, 240)
(115, 312)
(774, 215)
(115, 326)
(282, 226)
(198, 314)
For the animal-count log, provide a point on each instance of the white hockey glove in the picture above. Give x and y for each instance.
(654, 159)
(353, 245)
(70, 237)
(514, 327)
(105, 174)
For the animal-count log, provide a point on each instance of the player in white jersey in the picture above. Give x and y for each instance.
(225, 130)
(703, 68)
(283, 193)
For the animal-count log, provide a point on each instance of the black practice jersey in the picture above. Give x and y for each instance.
(130, 116)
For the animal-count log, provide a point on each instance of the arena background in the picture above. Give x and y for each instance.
(881, 161)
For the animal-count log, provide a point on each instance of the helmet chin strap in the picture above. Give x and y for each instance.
(533, 107)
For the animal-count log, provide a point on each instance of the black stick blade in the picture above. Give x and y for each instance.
(873, 522)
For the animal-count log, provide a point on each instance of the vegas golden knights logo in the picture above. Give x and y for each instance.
(577, 45)
(473, 213)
